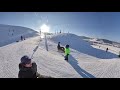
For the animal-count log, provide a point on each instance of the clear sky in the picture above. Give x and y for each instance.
(94, 24)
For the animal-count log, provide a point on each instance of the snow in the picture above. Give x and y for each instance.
(85, 61)
(79, 44)
(112, 49)
(10, 34)
(48, 63)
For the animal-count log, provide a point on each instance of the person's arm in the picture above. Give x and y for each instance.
(34, 65)
(69, 51)
(20, 66)
(35, 69)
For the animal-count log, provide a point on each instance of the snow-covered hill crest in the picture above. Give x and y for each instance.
(81, 45)
(10, 34)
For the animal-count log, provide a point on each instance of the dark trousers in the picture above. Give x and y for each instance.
(66, 57)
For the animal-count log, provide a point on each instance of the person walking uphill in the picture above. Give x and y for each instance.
(27, 69)
(67, 52)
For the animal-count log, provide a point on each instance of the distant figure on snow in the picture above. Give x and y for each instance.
(60, 48)
(106, 49)
(60, 31)
(119, 54)
(24, 37)
(67, 52)
(21, 38)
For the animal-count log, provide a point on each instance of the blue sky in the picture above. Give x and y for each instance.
(93, 24)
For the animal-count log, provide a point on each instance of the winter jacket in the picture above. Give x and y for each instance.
(58, 46)
(67, 51)
(27, 72)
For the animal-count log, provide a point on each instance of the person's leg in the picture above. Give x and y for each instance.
(66, 57)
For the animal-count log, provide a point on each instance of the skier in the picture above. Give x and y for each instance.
(27, 69)
(67, 52)
(106, 49)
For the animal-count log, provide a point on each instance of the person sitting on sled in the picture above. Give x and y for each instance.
(60, 48)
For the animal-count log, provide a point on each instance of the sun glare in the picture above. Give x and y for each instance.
(42, 35)
(45, 28)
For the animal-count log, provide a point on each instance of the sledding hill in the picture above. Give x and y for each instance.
(77, 43)
(10, 34)
(49, 63)
(52, 63)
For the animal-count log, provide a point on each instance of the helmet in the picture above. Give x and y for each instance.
(25, 60)
(67, 46)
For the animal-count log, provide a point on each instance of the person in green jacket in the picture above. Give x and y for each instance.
(67, 52)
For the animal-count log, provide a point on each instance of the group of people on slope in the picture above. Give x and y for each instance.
(66, 50)
(28, 69)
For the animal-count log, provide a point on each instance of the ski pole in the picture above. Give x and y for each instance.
(35, 50)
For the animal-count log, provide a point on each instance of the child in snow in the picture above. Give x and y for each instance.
(67, 52)
(59, 47)
(27, 69)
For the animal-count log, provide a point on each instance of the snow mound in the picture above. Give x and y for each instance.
(77, 43)
(10, 34)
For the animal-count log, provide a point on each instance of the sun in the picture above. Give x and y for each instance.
(44, 28)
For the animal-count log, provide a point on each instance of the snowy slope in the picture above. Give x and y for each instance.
(112, 49)
(52, 63)
(49, 63)
(10, 34)
(80, 45)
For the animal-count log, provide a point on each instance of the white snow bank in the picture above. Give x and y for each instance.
(80, 45)
(10, 34)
